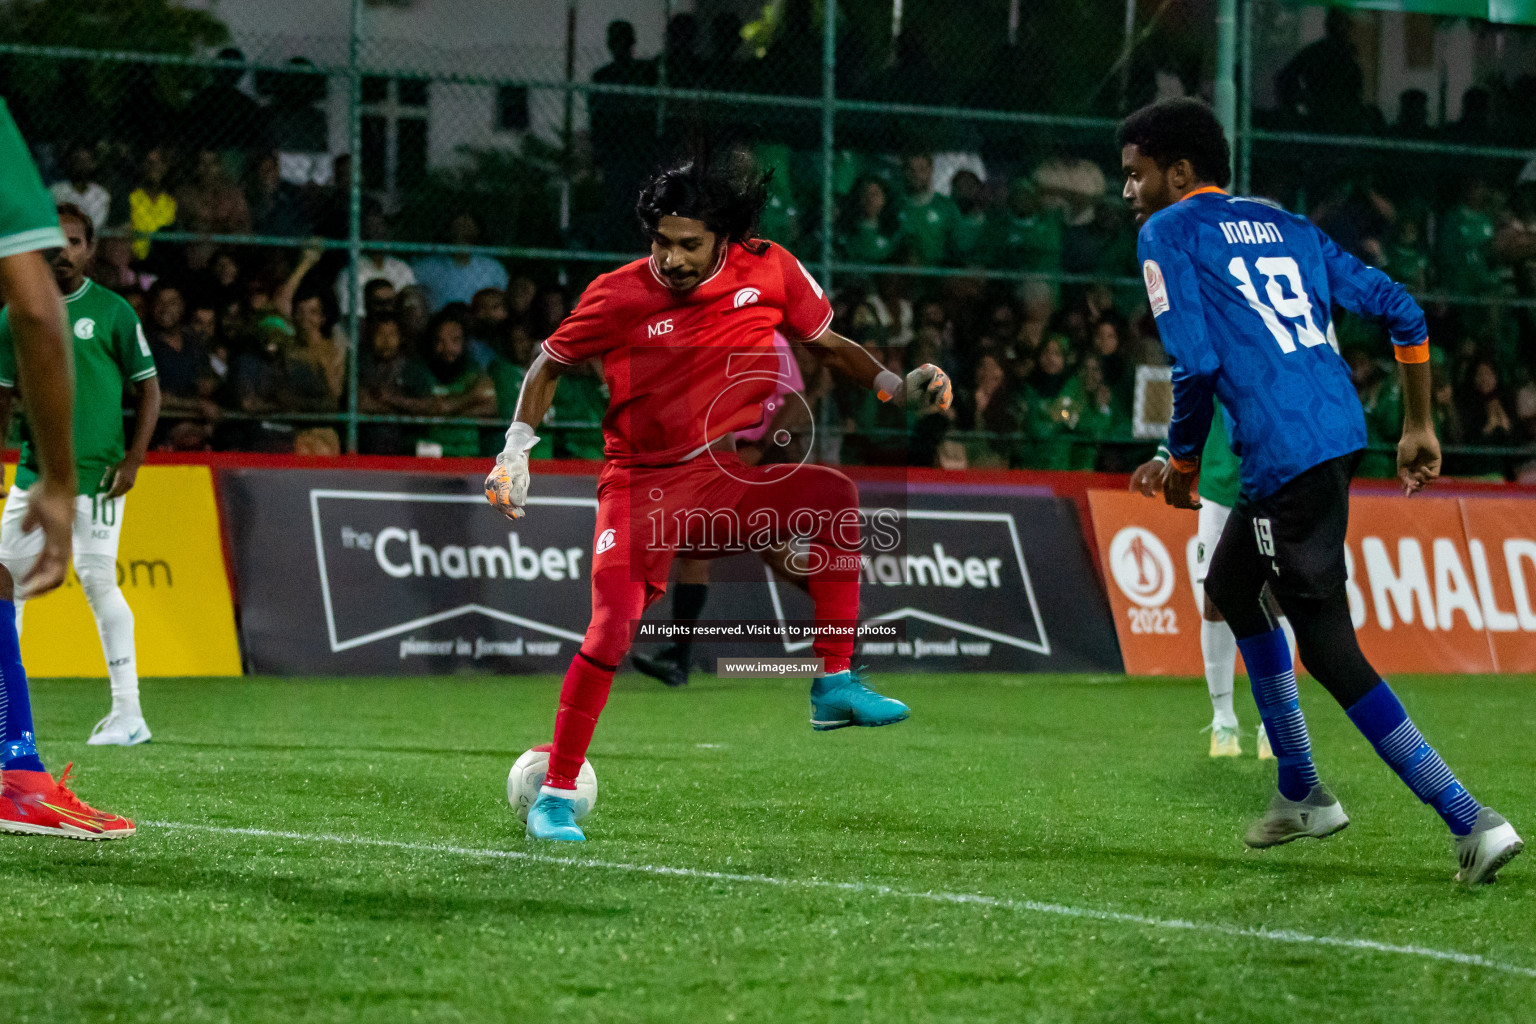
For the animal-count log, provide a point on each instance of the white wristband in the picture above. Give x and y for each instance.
(520, 438)
(887, 385)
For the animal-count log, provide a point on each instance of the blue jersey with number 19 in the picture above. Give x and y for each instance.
(1243, 293)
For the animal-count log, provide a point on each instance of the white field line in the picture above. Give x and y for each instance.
(961, 898)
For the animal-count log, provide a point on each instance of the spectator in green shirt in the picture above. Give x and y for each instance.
(874, 432)
(1117, 371)
(781, 216)
(970, 227)
(868, 229)
(1407, 262)
(580, 397)
(927, 218)
(1381, 398)
(1048, 410)
(1023, 235)
(455, 386)
(506, 372)
(1088, 398)
(1464, 257)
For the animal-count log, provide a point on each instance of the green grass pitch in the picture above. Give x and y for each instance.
(1023, 849)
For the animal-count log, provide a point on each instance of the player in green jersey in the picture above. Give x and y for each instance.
(32, 801)
(1220, 483)
(111, 353)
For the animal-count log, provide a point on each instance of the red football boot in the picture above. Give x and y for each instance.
(33, 804)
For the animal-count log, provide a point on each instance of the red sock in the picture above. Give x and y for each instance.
(582, 697)
(837, 600)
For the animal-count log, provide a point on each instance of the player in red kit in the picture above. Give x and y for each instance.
(686, 342)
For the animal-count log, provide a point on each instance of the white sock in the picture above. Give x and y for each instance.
(1219, 647)
(18, 568)
(114, 622)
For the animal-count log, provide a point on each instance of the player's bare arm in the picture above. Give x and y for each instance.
(506, 487)
(927, 386)
(538, 394)
(45, 372)
(283, 298)
(1418, 452)
(147, 413)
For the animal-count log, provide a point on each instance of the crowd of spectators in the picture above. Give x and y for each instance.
(1459, 230)
(254, 351)
(254, 354)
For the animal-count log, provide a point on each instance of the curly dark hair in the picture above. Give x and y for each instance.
(727, 195)
(1181, 129)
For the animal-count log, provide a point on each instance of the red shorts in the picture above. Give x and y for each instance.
(711, 506)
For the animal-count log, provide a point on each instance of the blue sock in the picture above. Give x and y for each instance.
(1273, 676)
(17, 750)
(1381, 719)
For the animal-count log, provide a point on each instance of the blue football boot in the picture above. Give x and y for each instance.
(554, 817)
(842, 699)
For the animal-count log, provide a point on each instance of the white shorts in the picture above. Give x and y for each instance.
(1213, 519)
(98, 527)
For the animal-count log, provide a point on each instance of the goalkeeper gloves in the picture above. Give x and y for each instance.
(929, 387)
(506, 488)
(926, 387)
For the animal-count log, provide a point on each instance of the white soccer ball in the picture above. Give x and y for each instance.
(527, 776)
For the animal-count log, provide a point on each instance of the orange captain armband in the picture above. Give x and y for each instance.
(1412, 353)
(1184, 465)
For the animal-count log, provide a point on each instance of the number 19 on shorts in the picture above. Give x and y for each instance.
(1264, 534)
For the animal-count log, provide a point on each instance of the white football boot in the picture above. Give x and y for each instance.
(1490, 845)
(1266, 752)
(1224, 741)
(119, 731)
(1319, 814)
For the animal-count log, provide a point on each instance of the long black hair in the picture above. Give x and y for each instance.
(850, 215)
(726, 193)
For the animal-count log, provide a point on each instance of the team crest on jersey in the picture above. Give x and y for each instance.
(85, 328)
(746, 297)
(1157, 290)
(605, 541)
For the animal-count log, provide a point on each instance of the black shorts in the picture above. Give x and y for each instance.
(1294, 538)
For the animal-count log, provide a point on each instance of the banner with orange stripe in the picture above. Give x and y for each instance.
(1435, 584)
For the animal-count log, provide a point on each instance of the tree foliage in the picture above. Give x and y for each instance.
(147, 26)
(56, 99)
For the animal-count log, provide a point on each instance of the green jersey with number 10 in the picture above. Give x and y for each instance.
(110, 348)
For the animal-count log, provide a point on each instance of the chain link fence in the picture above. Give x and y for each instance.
(948, 169)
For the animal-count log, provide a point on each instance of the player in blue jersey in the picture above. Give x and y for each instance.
(1243, 294)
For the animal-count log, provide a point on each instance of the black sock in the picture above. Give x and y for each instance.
(687, 602)
(1328, 647)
